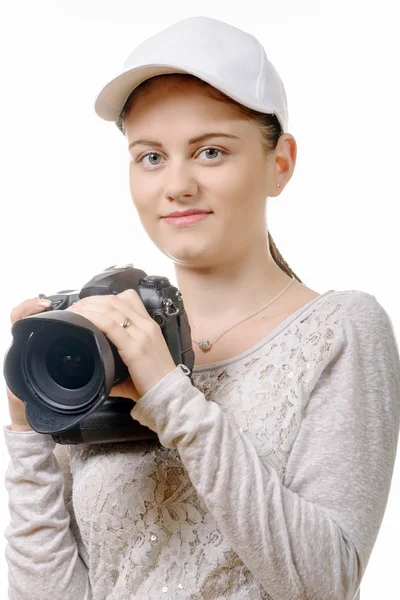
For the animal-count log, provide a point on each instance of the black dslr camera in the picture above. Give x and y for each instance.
(63, 367)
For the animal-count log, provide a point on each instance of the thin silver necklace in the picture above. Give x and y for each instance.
(205, 344)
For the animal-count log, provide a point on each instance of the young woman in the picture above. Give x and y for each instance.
(274, 469)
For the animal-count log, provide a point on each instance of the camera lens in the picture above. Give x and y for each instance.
(69, 362)
(63, 367)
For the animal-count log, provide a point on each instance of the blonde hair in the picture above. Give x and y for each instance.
(268, 124)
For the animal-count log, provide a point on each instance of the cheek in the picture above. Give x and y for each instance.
(247, 201)
(243, 189)
(132, 184)
(141, 193)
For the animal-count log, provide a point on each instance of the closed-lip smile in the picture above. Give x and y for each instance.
(186, 213)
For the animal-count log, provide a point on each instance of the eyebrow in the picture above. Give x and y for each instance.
(194, 140)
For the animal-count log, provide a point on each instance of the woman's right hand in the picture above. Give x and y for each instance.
(16, 407)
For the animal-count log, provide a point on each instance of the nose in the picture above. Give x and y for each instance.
(179, 181)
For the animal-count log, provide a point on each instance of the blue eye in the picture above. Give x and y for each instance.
(212, 149)
(148, 154)
(155, 154)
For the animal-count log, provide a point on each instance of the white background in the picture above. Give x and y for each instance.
(66, 213)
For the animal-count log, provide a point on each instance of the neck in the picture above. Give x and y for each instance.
(219, 295)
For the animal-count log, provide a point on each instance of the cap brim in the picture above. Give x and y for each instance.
(112, 98)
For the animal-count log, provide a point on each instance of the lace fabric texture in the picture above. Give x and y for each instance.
(143, 530)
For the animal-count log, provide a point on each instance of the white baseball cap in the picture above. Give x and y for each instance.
(228, 58)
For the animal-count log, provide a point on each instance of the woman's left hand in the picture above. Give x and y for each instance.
(141, 346)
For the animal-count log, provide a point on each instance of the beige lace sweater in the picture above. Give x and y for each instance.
(271, 481)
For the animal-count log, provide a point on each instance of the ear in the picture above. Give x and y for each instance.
(284, 162)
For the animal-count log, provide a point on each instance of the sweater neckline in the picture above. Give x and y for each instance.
(285, 323)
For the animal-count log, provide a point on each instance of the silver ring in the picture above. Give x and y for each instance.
(126, 323)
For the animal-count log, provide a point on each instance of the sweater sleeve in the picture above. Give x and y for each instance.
(311, 535)
(41, 552)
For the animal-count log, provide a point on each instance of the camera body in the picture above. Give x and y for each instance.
(63, 367)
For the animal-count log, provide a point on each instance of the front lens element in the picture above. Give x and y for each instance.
(69, 362)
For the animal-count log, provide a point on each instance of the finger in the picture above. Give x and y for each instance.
(109, 322)
(121, 311)
(27, 308)
(106, 317)
(136, 312)
(132, 298)
(128, 303)
(126, 389)
(103, 299)
(108, 310)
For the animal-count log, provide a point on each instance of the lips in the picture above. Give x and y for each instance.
(186, 220)
(188, 213)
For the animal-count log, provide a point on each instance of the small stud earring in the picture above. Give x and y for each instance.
(278, 185)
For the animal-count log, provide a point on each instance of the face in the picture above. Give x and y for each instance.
(229, 176)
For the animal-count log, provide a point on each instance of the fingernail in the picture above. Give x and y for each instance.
(45, 303)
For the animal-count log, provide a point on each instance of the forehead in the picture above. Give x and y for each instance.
(171, 98)
(165, 107)
(174, 83)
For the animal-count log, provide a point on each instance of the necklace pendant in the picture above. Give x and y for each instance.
(204, 345)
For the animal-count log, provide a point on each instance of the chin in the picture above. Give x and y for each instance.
(191, 257)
